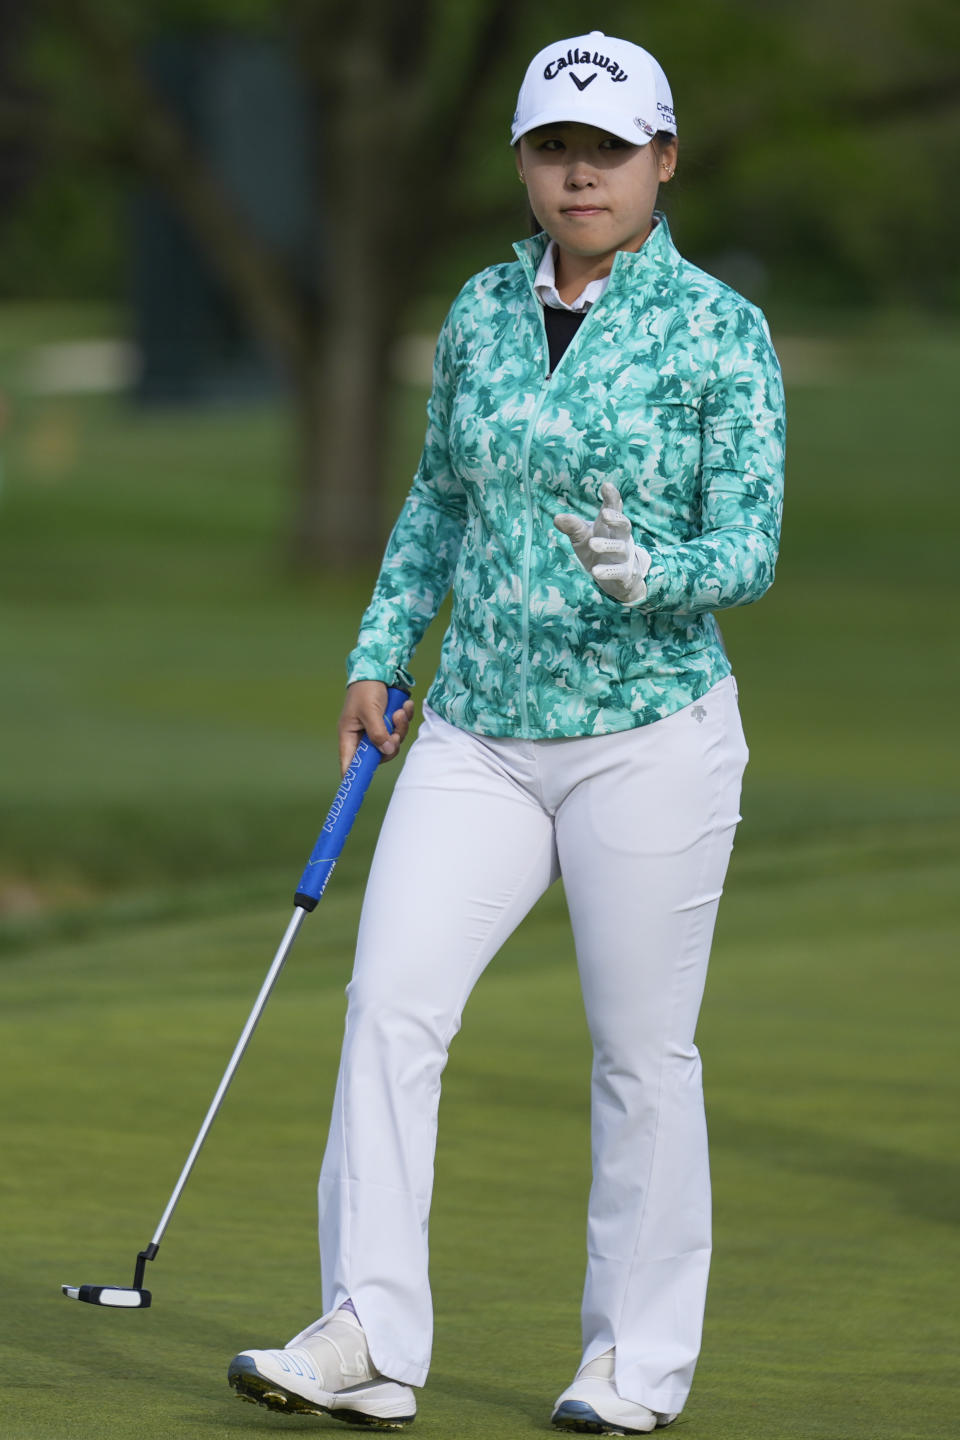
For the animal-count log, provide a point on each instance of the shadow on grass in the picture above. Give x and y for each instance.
(918, 1186)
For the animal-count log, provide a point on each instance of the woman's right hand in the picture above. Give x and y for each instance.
(362, 713)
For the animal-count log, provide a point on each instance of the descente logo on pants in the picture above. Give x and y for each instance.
(583, 57)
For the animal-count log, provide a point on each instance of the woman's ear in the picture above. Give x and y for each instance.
(666, 160)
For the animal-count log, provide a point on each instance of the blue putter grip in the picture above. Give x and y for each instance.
(343, 811)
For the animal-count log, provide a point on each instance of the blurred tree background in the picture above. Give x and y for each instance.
(818, 157)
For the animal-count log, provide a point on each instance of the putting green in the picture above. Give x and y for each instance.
(827, 1045)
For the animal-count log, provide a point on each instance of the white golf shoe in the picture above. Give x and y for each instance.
(325, 1370)
(592, 1406)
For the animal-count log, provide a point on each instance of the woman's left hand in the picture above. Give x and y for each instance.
(606, 550)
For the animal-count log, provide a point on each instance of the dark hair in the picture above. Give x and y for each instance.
(663, 138)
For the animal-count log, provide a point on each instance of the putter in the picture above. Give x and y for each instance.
(313, 882)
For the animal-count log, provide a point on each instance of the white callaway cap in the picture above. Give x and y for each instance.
(596, 80)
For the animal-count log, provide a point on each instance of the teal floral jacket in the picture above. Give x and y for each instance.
(671, 389)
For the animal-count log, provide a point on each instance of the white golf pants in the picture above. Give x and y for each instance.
(640, 826)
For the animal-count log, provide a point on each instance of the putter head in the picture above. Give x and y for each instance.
(117, 1296)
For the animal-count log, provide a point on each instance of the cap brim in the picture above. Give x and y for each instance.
(613, 123)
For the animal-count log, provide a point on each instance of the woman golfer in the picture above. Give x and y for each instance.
(602, 471)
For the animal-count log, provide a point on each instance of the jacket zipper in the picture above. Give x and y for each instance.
(528, 505)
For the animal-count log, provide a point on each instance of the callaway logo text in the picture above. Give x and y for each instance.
(583, 57)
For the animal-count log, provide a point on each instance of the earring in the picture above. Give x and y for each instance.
(521, 177)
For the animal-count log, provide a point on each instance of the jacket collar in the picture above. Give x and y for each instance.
(657, 256)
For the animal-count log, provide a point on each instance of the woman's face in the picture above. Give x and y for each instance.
(592, 192)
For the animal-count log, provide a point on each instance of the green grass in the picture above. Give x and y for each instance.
(169, 699)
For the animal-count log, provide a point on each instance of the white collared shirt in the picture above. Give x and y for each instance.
(545, 285)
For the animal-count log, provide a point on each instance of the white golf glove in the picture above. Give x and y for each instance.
(606, 550)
